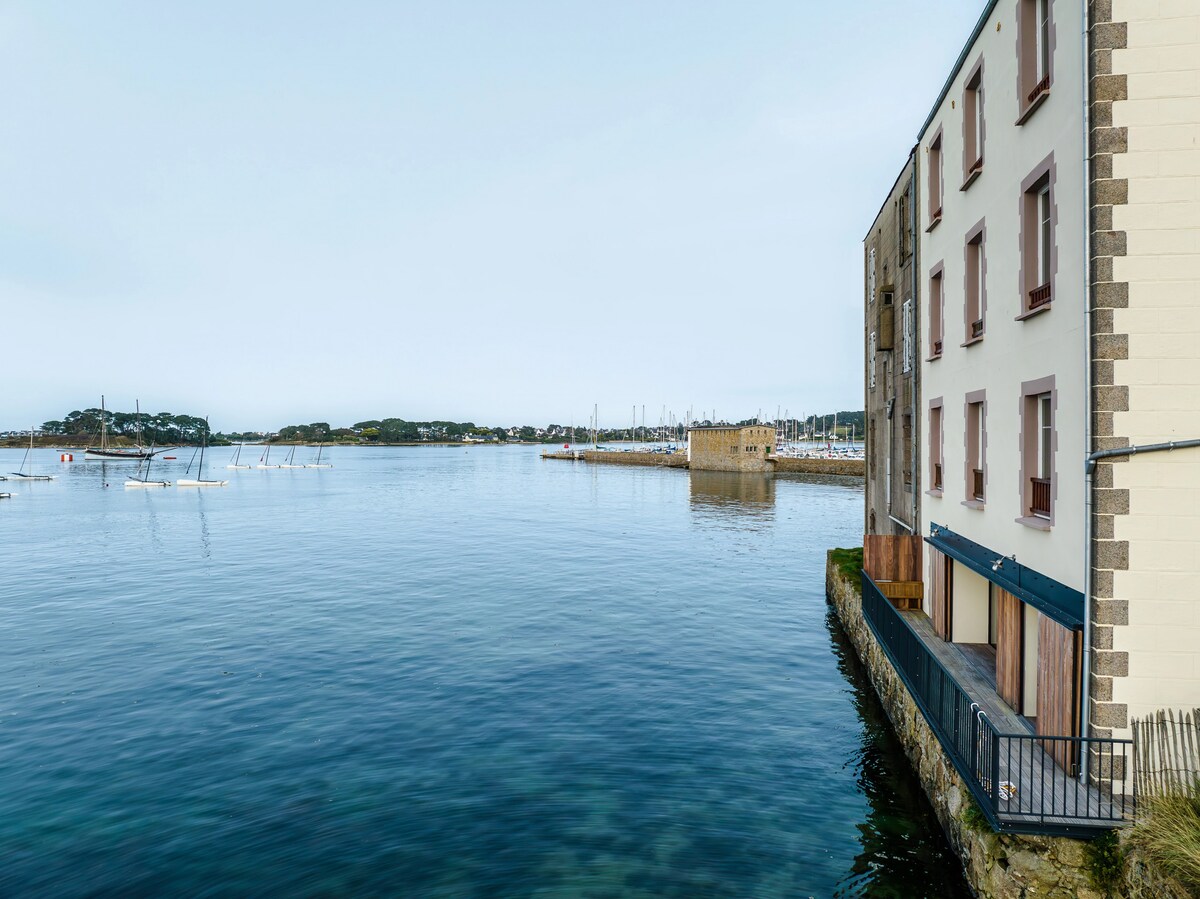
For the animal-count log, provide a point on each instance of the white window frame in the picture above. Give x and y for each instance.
(872, 342)
(1043, 38)
(1045, 234)
(906, 318)
(1045, 441)
(871, 276)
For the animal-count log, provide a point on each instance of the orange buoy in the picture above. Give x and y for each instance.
(66, 457)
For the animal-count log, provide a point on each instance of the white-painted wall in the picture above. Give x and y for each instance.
(969, 623)
(1012, 351)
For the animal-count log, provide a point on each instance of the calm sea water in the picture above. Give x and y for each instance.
(441, 672)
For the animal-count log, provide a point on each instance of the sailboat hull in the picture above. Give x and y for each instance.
(111, 455)
(318, 465)
(187, 483)
(237, 466)
(136, 483)
(17, 476)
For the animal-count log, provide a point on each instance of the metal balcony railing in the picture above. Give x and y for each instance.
(1041, 497)
(1024, 783)
(977, 328)
(1038, 89)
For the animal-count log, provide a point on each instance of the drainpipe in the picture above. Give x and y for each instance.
(1086, 672)
(917, 355)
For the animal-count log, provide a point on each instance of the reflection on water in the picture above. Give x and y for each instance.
(903, 852)
(730, 493)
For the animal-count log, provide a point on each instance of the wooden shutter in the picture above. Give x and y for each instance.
(1059, 658)
(1010, 646)
(941, 580)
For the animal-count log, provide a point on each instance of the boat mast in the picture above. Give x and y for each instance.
(103, 425)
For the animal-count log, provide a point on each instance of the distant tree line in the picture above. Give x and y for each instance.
(163, 428)
(166, 428)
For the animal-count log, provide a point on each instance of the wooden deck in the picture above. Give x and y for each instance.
(1045, 793)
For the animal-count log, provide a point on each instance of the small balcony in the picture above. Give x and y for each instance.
(937, 348)
(977, 328)
(937, 475)
(1024, 782)
(1038, 89)
(977, 484)
(1039, 297)
(1040, 506)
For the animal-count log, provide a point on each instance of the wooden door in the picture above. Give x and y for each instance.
(941, 568)
(1010, 647)
(1059, 659)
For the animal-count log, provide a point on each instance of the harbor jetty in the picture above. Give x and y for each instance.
(852, 468)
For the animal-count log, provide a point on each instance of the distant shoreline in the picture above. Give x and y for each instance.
(59, 444)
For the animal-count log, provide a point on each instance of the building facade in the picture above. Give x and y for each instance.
(1004, 215)
(731, 448)
(1058, 266)
(890, 342)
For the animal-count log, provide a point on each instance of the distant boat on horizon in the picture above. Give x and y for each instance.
(111, 454)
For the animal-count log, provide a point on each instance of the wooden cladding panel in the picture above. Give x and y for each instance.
(888, 558)
(941, 585)
(1059, 658)
(1010, 647)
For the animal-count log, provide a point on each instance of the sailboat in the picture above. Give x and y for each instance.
(200, 481)
(289, 462)
(264, 461)
(104, 451)
(22, 475)
(318, 463)
(237, 454)
(144, 479)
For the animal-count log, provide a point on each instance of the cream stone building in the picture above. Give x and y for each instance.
(1059, 276)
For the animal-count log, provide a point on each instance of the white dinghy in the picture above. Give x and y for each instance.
(200, 481)
(318, 463)
(264, 461)
(237, 455)
(142, 478)
(24, 475)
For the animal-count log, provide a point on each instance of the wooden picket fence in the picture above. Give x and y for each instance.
(1166, 752)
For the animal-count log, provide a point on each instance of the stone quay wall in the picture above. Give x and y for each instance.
(997, 866)
(663, 460)
(854, 468)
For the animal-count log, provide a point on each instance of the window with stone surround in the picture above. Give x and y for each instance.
(973, 126)
(1038, 444)
(936, 473)
(975, 286)
(1039, 254)
(1035, 54)
(936, 312)
(976, 446)
(936, 182)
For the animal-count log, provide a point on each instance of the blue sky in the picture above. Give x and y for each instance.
(501, 212)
